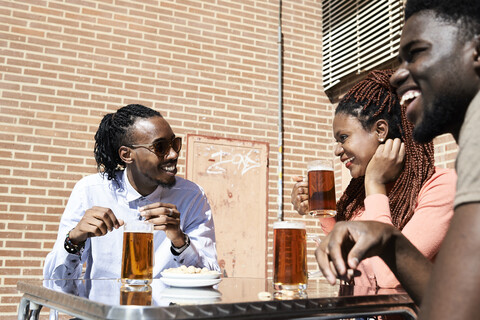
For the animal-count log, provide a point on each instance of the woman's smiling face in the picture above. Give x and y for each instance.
(355, 145)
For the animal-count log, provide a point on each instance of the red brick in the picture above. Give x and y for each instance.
(44, 218)
(5, 309)
(26, 208)
(9, 271)
(8, 290)
(22, 263)
(33, 272)
(34, 254)
(14, 300)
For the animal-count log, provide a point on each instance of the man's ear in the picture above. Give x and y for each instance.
(381, 129)
(125, 153)
(476, 53)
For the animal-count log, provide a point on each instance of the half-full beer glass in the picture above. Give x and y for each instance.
(321, 188)
(289, 256)
(137, 258)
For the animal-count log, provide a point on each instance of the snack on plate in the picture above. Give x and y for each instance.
(264, 295)
(190, 270)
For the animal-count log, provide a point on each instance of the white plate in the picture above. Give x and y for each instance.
(191, 293)
(190, 283)
(190, 296)
(190, 276)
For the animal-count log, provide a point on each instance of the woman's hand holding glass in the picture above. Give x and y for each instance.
(299, 195)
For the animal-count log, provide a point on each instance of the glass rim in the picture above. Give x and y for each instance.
(320, 164)
(138, 226)
(289, 225)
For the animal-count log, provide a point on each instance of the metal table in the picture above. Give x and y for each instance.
(232, 298)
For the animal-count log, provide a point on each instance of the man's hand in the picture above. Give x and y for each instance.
(166, 217)
(96, 222)
(339, 254)
(300, 195)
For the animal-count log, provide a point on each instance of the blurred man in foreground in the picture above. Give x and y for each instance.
(439, 81)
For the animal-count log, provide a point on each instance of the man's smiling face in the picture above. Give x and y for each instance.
(435, 79)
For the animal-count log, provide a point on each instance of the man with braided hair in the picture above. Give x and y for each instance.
(136, 153)
(394, 179)
(438, 81)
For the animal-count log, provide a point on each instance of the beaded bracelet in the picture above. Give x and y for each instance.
(71, 247)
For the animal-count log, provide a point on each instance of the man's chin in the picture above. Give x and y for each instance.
(424, 134)
(167, 183)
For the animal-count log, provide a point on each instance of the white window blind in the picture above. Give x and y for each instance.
(358, 35)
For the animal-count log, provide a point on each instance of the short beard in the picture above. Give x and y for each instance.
(446, 113)
(169, 185)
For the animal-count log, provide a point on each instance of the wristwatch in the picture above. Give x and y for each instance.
(176, 251)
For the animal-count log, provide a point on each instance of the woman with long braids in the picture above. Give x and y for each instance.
(394, 179)
(136, 153)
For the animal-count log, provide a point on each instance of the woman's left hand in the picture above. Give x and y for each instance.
(385, 166)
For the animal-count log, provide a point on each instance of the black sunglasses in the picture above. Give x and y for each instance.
(161, 146)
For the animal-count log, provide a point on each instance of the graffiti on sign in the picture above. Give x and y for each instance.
(244, 162)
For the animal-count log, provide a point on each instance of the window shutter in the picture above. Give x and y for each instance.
(359, 35)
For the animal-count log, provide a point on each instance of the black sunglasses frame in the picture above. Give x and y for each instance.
(161, 146)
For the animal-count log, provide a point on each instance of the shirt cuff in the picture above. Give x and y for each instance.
(178, 251)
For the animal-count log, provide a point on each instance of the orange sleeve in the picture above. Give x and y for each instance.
(427, 227)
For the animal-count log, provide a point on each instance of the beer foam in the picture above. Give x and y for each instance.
(320, 167)
(138, 226)
(288, 225)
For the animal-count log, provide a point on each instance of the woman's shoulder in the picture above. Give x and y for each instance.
(444, 173)
(442, 178)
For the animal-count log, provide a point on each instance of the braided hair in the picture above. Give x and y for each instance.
(370, 100)
(115, 131)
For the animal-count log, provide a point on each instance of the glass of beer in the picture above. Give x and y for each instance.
(137, 258)
(321, 188)
(136, 295)
(289, 256)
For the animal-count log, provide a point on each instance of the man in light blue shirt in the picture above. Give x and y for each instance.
(136, 153)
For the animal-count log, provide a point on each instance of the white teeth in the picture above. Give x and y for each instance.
(409, 95)
(349, 159)
(169, 169)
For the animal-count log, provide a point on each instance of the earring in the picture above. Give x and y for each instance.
(381, 140)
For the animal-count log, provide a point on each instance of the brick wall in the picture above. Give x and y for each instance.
(209, 66)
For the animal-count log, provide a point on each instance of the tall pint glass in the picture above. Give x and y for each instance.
(321, 188)
(137, 258)
(289, 256)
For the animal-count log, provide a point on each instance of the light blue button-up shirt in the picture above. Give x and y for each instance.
(103, 255)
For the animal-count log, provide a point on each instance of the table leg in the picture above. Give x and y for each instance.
(28, 310)
(34, 310)
(23, 309)
(53, 315)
